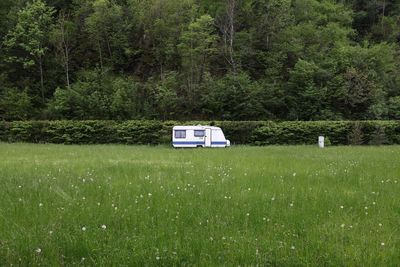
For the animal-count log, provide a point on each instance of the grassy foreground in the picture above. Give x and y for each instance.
(139, 205)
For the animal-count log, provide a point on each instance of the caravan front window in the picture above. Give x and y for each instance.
(180, 133)
(198, 133)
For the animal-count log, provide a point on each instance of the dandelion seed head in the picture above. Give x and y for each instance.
(40, 204)
(103, 226)
(83, 228)
(38, 250)
(293, 247)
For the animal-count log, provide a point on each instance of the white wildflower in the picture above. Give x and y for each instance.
(103, 226)
(83, 228)
(38, 250)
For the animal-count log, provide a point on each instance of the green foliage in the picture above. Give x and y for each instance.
(27, 42)
(394, 107)
(97, 95)
(31, 33)
(379, 137)
(15, 105)
(186, 60)
(356, 135)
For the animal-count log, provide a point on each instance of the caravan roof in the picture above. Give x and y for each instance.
(195, 127)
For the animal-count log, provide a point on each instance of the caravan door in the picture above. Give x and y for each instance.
(208, 137)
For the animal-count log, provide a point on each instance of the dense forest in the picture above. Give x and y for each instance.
(200, 59)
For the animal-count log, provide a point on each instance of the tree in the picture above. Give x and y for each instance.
(107, 30)
(63, 39)
(27, 41)
(198, 45)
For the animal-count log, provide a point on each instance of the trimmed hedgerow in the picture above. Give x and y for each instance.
(238, 132)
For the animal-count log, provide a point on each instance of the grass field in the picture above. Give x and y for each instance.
(140, 205)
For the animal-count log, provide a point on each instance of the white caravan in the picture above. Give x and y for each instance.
(198, 136)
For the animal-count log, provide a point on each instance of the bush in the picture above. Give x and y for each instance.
(238, 132)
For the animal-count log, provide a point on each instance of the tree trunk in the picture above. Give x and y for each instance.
(67, 66)
(383, 15)
(231, 28)
(41, 78)
(66, 55)
(108, 46)
(100, 55)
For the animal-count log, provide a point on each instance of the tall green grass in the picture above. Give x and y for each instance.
(277, 205)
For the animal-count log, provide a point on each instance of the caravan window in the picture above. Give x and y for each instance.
(180, 133)
(198, 133)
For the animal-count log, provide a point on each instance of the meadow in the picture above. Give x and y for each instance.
(155, 205)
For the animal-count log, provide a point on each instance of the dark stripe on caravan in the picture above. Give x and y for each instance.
(218, 143)
(188, 143)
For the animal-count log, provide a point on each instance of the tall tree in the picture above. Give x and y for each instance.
(105, 26)
(63, 39)
(198, 44)
(27, 42)
(226, 25)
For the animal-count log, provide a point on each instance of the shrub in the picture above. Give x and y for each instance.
(238, 132)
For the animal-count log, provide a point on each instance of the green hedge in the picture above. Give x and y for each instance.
(239, 132)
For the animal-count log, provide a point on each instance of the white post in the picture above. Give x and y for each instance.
(321, 141)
